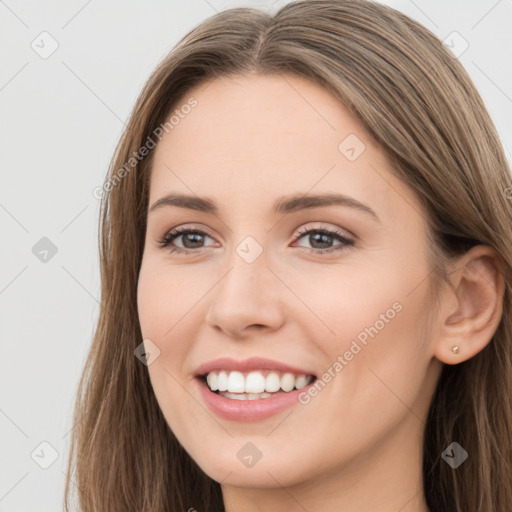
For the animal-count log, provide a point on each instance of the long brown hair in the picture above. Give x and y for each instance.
(417, 101)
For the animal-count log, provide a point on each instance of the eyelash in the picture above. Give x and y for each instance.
(346, 242)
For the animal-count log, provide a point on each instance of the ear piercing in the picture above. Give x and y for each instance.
(456, 349)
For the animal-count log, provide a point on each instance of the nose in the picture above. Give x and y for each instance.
(248, 297)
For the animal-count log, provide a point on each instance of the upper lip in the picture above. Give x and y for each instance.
(247, 365)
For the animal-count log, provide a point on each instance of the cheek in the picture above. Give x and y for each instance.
(367, 314)
(162, 303)
(165, 297)
(341, 301)
(376, 360)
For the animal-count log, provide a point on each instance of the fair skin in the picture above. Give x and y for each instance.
(357, 445)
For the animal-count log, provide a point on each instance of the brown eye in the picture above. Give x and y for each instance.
(321, 240)
(191, 239)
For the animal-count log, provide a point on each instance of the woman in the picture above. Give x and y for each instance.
(306, 274)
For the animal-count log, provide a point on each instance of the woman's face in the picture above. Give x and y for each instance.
(254, 283)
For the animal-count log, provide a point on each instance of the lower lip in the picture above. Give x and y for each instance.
(249, 410)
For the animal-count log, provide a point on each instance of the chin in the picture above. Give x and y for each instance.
(264, 474)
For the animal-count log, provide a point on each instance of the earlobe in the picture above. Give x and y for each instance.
(473, 306)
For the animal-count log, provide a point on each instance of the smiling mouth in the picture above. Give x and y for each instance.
(254, 385)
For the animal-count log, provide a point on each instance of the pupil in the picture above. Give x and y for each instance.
(323, 238)
(188, 236)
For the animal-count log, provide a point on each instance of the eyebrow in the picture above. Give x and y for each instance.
(284, 204)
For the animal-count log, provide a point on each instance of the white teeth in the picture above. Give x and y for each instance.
(255, 396)
(245, 396)
(302, 381)
(222, 381)
(233, 396)
(255, 384)
(272, 383)
(236, 382)
(288, 382)
(213, 381)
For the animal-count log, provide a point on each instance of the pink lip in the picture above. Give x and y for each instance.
(247, 365)
(248, 410)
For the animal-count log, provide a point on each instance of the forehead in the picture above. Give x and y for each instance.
(254, 138)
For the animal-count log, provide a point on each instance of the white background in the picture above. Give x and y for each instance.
(60, 120)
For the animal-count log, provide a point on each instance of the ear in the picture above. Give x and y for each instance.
(471, 307)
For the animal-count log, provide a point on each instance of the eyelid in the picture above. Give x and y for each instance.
(303, 227)
(171, 234)
(326, 226)
(334, 232)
